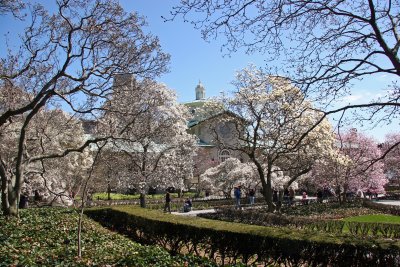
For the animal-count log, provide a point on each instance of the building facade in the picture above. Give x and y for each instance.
(205, 123)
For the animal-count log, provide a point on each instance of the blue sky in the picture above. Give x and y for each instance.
(193, 59)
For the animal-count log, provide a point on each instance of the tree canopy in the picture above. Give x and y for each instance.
(272, 116)
(323, 47)
(66, 58)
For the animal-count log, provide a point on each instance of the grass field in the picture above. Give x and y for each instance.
(375, 218)
(116, 196)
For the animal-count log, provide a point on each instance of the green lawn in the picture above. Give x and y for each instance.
(116, 196)
(375, 218)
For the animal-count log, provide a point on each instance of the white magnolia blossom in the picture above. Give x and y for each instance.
(276, 126)
(65, 57)
(228, 174)
(151, 145)
(50, 133)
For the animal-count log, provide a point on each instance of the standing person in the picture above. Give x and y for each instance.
(237, 192)
(286, 195)
(274, 195)
(319, 196)
(167, 202)
(304, 199)
(23, 201)
(251, 196)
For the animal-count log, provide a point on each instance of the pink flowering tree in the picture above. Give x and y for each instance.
(354, 169)
(392, 157)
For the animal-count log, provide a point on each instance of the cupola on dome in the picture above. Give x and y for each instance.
(200, 91)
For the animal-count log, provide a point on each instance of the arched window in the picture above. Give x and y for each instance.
(223, 155)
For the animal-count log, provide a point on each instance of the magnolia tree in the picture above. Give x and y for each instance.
(11, 6)
(67, 56)
(232, 172)
(56, 177)
(323, 46)
(354, 169)
(228, 174)
(50, 132)
(392, 158)
(271, 125)
(280, 181)
(149, 129)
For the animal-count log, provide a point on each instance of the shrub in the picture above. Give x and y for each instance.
(334, 226)
(389, 209)
(48, 237)
(227, 242)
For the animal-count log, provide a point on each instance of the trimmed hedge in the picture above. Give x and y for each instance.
(228, 243)
(48, 237)
(256, 217)
(389, 209)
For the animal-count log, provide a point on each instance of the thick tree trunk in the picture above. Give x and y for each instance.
(12, 209)
(345, 194)
(280, 200)
(266, 185)
(338, 195)
(9, 204)
(268, 194)
(142, 200)
(13, 198)
(9, 196)
(4, 191)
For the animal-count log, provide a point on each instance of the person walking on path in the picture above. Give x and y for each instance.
(167, 202)
(237, 192)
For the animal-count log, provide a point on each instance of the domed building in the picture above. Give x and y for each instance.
(211, 133)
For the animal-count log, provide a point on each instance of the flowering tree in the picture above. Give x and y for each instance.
(272, 119)
(323, 46)
(69, 57)
(228, 174)
(51, 132)
(11, 6)
(149, 129)
(352, 171)
(392, 158)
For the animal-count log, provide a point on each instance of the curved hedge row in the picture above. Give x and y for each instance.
(388, 209)
(228, 243)
(48, 237)
(251, 216)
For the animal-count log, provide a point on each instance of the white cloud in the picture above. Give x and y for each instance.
(352, 98)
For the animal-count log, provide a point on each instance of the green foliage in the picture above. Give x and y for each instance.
(387, 209)
(330, 210)
(374, 225)
(230, 243)
(48, 237)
